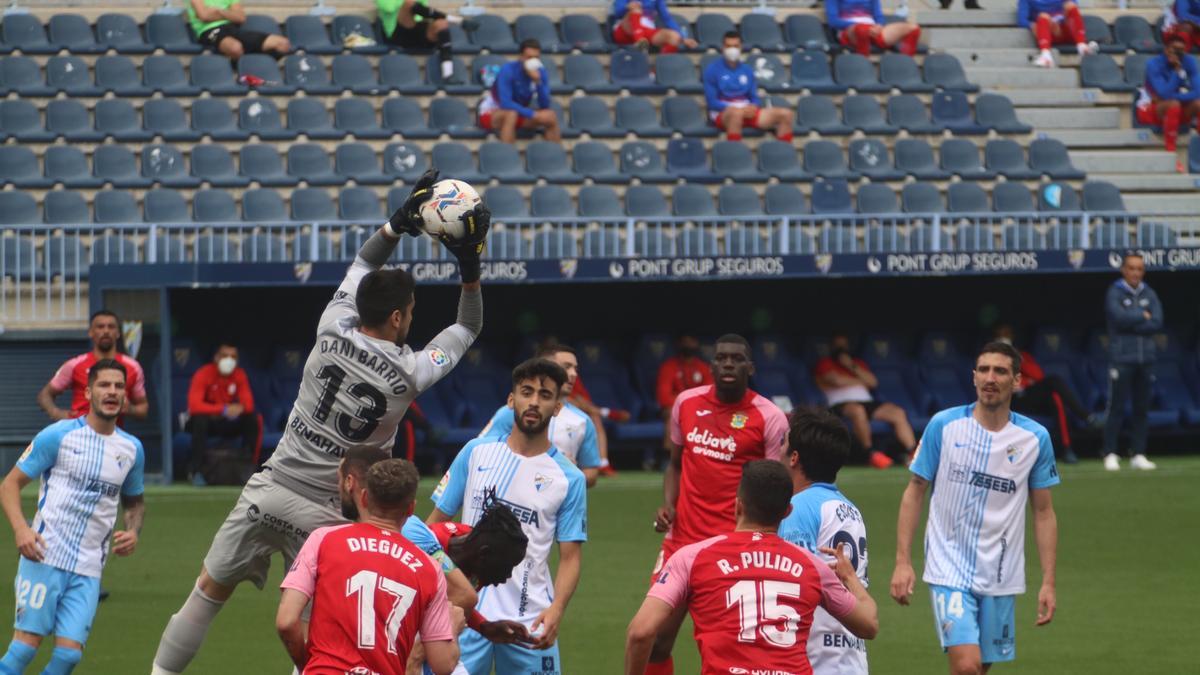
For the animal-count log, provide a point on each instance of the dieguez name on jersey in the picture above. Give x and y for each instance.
(383, 368)
(384, 547)
(704, 443)
(762, 560)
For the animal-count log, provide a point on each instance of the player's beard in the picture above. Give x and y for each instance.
(532, 430)
(349, 508)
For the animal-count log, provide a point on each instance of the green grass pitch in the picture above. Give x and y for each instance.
(1129, 560)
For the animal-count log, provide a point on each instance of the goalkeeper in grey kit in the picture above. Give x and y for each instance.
(358, 382)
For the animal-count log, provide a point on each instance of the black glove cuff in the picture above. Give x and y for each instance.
(469, 268)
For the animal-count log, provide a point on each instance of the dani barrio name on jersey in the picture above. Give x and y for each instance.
(337, 346)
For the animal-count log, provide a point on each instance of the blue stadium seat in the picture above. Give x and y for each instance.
(683, 114)
(214, 74)
(506, 244)
(66, 165)
(217, 206)
(921, 198)
(121, 32)
(163, 205)
(360, 204)
(876, 198)
(583, 32)
(494, 34)
(357, 162)
(738, 201)
(733, 160)
(862, 112)
(400, 72)
(66, 257)
(856, 72)
(553, 242)
(960, 157)
(831, 196)
(869, 157)
(212, 163)
(25, 32)
(1102, 72)
(1135, 33)
(907, 112)
(806, 31)
(636, 115)
(1098, 31)
(823, 159)
(164, 117)
(116, 119)
(309, 117)
(645, 201)
(164, 165)
(590, 115)
(687, 159)
(116, 165)
(783, 199)
(900, 71)
(945, 72)
(539, 27)
(455, 159)
(502, 162)
(345, 25)
(594, 160)
(214, 118)
(69, 120)
(691, 200)
(505, 202)
(119, 75)
(260, 116)
(967, 198)
(630, 69)
(1012, 197)
(819, 114)
(308, 34)
(261, 163)
(19, 167)
(1007, 158)
(551, 201)
(115, 207)
(760, 31)
(769, 72)
(1102, 196)
(1058, 197)
(356, 117)
(404, 161)
(994, 111)
(23, 75)
(779, 160)
(584, 72)
(69, 74)
(311, 205)
(810, 70)
(711, 28)
(309, 162)
(353, 72)
(21, 120)
(1048, 156)
(164, 73)
(462, 80)
(307, 73)
(1135, 69)
(263, 205)
(641, 160)
(599, 201)
(450, 115)
(951, 110)
(265, 67)
(548, 161)
(403, 116)
(914, 157)
(169, 33)
(261, 23)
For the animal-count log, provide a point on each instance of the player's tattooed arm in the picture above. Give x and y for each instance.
(904, 579)
(134, 514)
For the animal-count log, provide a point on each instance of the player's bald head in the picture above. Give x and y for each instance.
(765, 492)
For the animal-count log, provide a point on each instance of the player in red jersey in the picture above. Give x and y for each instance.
(715, 429)
(371, 589)
(751, 593)
(104, 330)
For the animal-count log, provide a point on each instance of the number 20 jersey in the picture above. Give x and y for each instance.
(354, 392)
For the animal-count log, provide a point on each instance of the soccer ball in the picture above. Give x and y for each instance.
(441, 215)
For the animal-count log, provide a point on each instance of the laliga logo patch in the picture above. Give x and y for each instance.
(438, 357)
(302, 271)
(1075, 257)
(441, 487)
(1114, 260)
(540, 481)
(738, 421)
(824, 263)
(25, 455)
(873, 265)
(568, 267)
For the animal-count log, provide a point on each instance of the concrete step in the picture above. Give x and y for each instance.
(1123, 161)
(1027, 77)
(1081, 118)
(1112, 138)
(1163, 203)
(1061, 97)
(1007, 57)
(988, 16)
(1130, 183)
(981, 38)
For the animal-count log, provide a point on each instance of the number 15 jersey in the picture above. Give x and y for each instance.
(354, 392)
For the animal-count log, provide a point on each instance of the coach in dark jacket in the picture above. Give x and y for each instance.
(1134, 314)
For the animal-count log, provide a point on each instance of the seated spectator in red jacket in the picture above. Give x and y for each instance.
(1041, 394)
(685, 370)
(847, 383)
(648, 24)
(220, 404)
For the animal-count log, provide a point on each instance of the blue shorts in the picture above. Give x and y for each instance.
(478, 654)
(966, 618)
(50, 600)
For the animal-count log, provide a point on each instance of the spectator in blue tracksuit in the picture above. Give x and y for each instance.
(1170, 96)
(732, 96)
(1054, 22)
(859, 24)
(1183, 19)
(1134, 315)
(648, 23)
(507, 105)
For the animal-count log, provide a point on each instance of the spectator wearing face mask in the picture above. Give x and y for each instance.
(520, 98)
(220, 404)
(732, 96)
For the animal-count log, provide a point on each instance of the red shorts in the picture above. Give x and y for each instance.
(1148, 114)
(752, 123)
(640, 32)
(485, 121)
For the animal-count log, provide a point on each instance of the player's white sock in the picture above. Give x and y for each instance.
(184, 633)
(604, 462)
(1045, 59)
(447, 69)
(454, 18)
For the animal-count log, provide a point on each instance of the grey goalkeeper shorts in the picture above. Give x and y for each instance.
(267, 519)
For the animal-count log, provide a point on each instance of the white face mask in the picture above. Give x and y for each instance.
(226, 365)
(533, 65)
(733, 54)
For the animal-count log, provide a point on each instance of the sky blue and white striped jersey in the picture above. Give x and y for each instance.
(82, 474)
(975, 536)
(822, 516)
(571, 431)
(546, 493)
(416, 531)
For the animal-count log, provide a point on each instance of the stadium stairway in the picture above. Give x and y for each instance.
(1096, 126)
